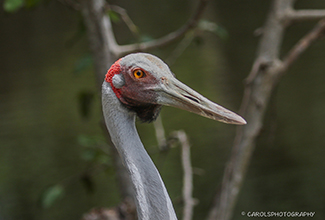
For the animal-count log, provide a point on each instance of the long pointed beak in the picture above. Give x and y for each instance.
(176, 94)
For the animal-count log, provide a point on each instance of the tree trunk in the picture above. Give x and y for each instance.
(97, 25)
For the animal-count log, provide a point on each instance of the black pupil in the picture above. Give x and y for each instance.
(139, 73)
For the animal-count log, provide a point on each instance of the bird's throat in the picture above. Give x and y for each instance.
(146, 113)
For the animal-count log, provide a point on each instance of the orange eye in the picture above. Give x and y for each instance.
(138, 73)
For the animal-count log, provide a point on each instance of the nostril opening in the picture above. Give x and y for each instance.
(191, 98)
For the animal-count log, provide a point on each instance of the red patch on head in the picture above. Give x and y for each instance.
(115, 69)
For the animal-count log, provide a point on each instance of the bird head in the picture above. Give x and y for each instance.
(143, 83)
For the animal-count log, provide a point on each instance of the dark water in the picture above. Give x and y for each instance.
(41, 124)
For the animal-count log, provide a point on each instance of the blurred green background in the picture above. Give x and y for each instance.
(50, 112)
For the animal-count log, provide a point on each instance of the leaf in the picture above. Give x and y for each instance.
(94, 149)
(86, 99)
(87, 141)
(88, 183)
(84, 63)
(32, 3)
(146, 38)
(88, 155)
(103, 158)
(206, 25)
(13, 5)
(90, 141)
(51, 195)
(76, 37)
(113, 16)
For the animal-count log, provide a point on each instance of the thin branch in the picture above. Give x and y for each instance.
(188, 176)
(160, 42)
(160, 133)
(304, 15)
(105, 50)
(99, 33)
(265, 75)
(109, 34)
(315, 34)
(181, 47)
(125, 17)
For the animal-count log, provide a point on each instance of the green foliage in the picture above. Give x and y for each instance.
(99, 160)
(95, 149)
(210, 26)
(83, 63)
(113, 16)
(51, 195)
(146, 38)
(90, 141)
(88, 183)
(13, 5)
(31, 3)
(86, 99)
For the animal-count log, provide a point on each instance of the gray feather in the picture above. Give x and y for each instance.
(151, 197)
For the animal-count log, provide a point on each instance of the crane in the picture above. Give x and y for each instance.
(138, 85)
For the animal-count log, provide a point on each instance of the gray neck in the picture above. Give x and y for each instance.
(151, 197)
